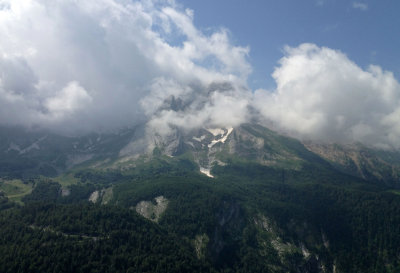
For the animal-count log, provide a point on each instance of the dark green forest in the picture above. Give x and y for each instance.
(341, 221)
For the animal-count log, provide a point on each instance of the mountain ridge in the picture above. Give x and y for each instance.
(46, 153)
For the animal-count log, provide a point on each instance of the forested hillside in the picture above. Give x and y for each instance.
(249, 218)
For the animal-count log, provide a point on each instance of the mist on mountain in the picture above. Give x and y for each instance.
(103, 65)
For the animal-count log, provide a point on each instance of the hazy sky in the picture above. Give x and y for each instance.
(323, 69)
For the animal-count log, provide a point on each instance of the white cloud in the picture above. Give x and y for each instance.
(172, 105)
(360, 6)
(71, 98)
(114, 49)
(323, 95)
(110, 63)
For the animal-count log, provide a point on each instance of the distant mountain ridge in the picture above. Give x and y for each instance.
(38, 152)
(25, 153)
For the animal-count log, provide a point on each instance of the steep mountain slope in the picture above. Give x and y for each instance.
(28, 153)
(219, 146)
(361, 161)
(88, 238)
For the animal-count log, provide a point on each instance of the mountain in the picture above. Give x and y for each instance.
(244, 199)
(28, 153)
(254, 143)
(361, 161)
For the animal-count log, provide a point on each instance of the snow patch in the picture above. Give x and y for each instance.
(199, 139)
(206, 172)
(213, 143)
(222, 139)
(230, 130)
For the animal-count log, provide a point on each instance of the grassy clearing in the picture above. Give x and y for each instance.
(15, 189)
(66, 179)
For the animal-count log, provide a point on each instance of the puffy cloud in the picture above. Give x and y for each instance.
(87, 65)
(171, 105)
(68, 100)
(323, 95)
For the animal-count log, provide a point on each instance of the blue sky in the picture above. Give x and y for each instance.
(366, 31)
